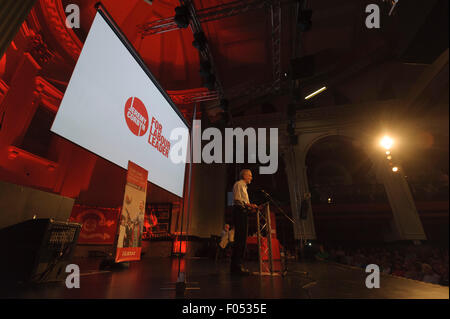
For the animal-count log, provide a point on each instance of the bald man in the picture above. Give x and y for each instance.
(241, 208)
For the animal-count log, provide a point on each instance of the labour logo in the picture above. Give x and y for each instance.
(136, 116)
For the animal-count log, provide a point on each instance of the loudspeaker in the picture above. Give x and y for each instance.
(37, 250)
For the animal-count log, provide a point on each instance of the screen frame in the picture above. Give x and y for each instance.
(115, 28)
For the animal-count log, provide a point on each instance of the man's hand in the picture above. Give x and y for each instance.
(252, 207)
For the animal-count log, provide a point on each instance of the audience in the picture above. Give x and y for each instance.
(421, 262)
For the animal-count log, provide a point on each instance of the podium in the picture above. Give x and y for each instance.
(269, 256)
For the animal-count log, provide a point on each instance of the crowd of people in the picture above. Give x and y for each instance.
(418, 262)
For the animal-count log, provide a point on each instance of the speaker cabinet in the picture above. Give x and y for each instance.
(37, 250)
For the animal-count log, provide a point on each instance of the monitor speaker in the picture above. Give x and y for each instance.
(37, 250)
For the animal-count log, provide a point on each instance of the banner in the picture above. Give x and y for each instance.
(99, 224)
(129, 242)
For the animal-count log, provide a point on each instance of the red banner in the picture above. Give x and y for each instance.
(99, 224)
(129, 242)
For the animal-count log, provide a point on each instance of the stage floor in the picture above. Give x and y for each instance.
(154, 278)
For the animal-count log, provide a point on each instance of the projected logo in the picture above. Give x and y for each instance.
(136, 116)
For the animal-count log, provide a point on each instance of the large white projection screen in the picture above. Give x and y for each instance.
(112, 108)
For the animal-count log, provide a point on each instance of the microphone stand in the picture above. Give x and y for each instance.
(277, 205)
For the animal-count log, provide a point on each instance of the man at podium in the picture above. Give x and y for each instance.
(241, 208)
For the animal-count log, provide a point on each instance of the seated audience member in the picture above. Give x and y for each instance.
(322, 255)
(414, 271)
(386, 267)
(429, 275)
(398, 270)
(226, 240)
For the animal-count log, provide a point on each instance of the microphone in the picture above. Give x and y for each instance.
(264, 192)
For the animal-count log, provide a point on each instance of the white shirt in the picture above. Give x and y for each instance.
(240, 195)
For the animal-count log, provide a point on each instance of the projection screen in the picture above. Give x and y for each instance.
(114, 107)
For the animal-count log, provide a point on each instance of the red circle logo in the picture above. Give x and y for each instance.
(136, 116)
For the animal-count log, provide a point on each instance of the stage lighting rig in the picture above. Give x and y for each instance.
(199, 41)
(182, 17)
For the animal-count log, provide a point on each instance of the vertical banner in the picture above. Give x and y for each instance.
(132, 215)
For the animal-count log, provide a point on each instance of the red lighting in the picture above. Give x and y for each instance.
(14, 152)
(176, 247)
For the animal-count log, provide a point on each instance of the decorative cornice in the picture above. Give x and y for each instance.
(48, 95)
(39, 50)
(3, 90)
(55, 17)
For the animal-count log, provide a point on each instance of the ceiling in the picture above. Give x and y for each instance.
(356, 63)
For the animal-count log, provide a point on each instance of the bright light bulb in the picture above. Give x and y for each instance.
(386, 142)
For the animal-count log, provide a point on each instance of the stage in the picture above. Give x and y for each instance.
(155, 277)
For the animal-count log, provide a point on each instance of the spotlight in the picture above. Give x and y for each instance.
(387, 142)
(389, 157)
(388, 152)
(199, 41)
(395, 169)
(182, 16)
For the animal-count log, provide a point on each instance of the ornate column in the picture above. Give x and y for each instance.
(298, 186)
(408, 225)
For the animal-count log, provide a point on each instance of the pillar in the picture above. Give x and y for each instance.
(298, 185)
(407, 223)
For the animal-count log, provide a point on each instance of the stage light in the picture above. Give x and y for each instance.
(329, 200)
(316, 92)
(182, 17)
(388, 152)
(13, 154)
(386, 142)
(199, 41)
(395, 169)
(389, 157)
